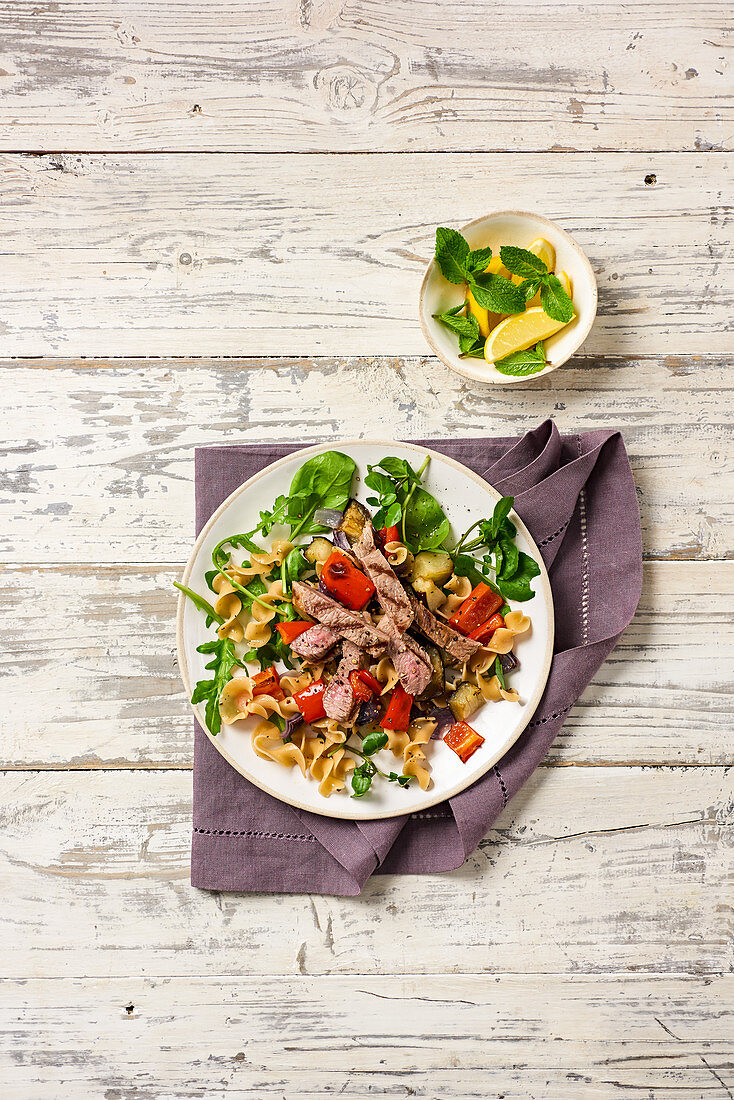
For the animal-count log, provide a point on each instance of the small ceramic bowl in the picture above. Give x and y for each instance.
(521, 229)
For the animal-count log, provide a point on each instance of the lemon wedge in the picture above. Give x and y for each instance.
(565, 280)
(520, 331)
(485, 319)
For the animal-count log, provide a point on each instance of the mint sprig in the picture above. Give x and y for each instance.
(553, 298)
(452, 251)
(522, 363)
(497, 294)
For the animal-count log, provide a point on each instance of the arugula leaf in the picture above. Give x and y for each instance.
(452, 251)
(199, 602)
(497, 294)
(522, 363)
(325, 481)
(518, 586)
(478, 259)
(463, 326)
(521, 262)
(500, 672)
(554, 300)
(222, 663)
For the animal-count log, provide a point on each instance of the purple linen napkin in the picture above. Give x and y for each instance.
(577, 497)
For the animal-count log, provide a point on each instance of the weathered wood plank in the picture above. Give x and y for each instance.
(588, 870)
(663, 697)
(368, 75)
(132, 430)
(468, 1036)
(283, 255)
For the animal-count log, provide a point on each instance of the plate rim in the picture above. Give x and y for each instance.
(530, 707)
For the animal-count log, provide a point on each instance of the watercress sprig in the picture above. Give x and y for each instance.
(506, 569)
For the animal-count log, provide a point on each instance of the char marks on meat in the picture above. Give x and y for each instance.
(390, 592)
(315, 642)
(353, 626)
(412, 663)
(442, 634)
(339, 700)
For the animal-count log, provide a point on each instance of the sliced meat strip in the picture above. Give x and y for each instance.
(351, 625)
(390, 592)
(412, 663)
(339, 700)
(315, 642)
(443, 635)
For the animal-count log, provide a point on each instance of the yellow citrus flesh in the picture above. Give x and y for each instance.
(565, 280)
(520, 331)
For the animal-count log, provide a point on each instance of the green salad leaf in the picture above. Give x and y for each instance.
(521, 363)
(209, 691)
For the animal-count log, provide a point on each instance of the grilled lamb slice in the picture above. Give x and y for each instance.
(315, 642)
(339, 700)
(390, 592)
(412, 664)
(350, 625)
(443, 635)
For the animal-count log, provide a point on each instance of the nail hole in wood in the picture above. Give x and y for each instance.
(651, 179)
(129, 1009)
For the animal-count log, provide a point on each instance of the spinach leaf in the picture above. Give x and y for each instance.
(425, 524)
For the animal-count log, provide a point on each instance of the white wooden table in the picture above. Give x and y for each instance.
(214, 219)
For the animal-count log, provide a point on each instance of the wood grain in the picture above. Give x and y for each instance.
(452, 1035)
(663, 697)
(324, 255)
(313, 75)
(132, 430)
(589, 870)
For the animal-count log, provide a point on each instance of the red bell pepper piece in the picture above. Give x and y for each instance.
(290, 631)
(484, 632)
(388, 534)
(397, 715)
(371, 681)
(310, 701)
(364, 685)
(267, 683)
(359, 689)
(345, 582)
(476, 609)
(463, 740)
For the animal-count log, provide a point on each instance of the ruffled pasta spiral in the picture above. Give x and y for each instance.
(228, 604)
(409, 744)
(263, 611)
(237, 702)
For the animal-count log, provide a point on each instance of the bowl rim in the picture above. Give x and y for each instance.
(582, 333)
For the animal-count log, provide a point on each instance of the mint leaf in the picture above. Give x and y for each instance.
(554, 300)
(497, 294)
(529, 287)
(462, 326)
(521, 262)
(522, 363)
(451, 254)
(478, 259)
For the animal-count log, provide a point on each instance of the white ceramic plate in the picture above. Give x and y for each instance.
(465, 497)
(521, 229)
